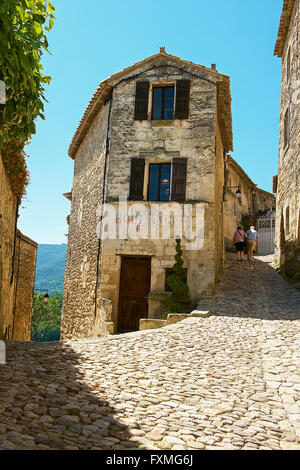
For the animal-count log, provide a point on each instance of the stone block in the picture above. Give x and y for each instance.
(201, 314)
(176, 317)
(110, 327)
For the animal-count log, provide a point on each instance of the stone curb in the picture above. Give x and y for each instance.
(173, 318)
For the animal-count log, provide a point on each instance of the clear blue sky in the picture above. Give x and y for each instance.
(94, 39)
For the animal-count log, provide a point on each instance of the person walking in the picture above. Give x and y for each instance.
(239, 239)
(252, 241)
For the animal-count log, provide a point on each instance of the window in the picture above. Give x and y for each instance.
(286, 136)
(159, 182)
(163, 103)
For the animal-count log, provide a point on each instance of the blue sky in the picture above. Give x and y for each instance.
(94, 39)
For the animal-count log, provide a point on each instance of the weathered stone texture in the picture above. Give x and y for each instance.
(196, 139)
(8, 207)
(78, 314)
(193, 138)
(17, 269)
(288, 191)
(218, 197)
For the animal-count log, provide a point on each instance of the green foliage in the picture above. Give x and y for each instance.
(46, 318)
(14, 159)
(50, 267)
(177, 284)
(22, 40)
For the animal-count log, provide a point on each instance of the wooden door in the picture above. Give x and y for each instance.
(134, 290)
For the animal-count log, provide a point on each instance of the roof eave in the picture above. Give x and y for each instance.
(105, 87)
(285, 20)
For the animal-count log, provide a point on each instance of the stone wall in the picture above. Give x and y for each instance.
(192, 138)
(79, 313)
(26, 250)
(8, 207)
(219, 203)
(249, 204)
(199, 264)
(17, 269)
(288, 191)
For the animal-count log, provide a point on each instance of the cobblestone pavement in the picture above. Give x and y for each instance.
(230, 381)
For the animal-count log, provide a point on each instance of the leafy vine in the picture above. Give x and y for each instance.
(23, 26)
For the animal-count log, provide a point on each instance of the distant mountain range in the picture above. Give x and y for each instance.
(50, 267)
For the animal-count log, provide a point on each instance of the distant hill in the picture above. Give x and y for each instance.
(50, 267)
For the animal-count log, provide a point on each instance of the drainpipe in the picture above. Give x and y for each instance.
(99, 251)
(14, 249)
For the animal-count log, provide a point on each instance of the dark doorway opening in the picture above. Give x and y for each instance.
(135, 282)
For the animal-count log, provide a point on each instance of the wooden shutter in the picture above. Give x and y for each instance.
(179, 179)
(182, 99)
(141, 101)
(137, 179)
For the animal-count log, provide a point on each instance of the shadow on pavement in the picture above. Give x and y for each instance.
(46, 404)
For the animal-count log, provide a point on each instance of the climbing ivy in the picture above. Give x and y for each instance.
(23, 26)
(14, 159)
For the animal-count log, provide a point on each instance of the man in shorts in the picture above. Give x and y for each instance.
(252, 242)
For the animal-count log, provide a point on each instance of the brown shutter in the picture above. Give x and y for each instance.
(141, 101)
(182, 99)
(179, 179)
(137, 179)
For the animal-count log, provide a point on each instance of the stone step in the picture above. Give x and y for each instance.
(173, 318)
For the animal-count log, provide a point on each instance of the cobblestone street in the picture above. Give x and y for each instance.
(230, 381)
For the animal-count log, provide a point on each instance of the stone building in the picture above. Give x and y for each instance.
(155, 133)
(17, 268)
(287, 183)
(244, 201)
(26, 250)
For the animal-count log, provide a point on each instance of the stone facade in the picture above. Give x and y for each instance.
(287, 243)
(17, 269)
(26, 250)
(8, 210)
(104, 145)
(244, 208)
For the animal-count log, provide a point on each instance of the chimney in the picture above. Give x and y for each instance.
(213, 66)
